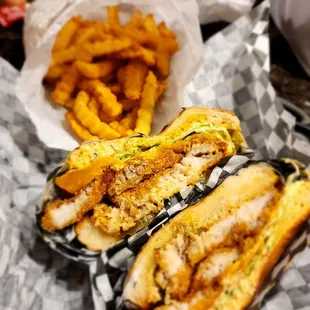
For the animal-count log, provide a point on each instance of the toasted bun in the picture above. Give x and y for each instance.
(293, 208)
(93, 237)
(189, 118)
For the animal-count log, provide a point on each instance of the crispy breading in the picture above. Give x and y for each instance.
(147, 197)
(62, 213)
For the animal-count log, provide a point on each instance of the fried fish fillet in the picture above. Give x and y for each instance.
(217, 253)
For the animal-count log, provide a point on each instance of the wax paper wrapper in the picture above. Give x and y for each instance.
(234, 75)
(48, 117)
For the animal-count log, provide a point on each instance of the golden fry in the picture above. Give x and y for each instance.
(109, 103)
(64, 56)
(161, 87)
(129, 104)
(150, 25)
(91, 121)
(120, 75)
(66, 34)
(147, 103)
(113, 18)
(108, 46)
(120, 129)
(163, 61)
(94, 106)
(83, 54)
(136, 20)
(129, 121)
(96, 70)
(65, 87)
(148, 56)
(106, 119)
(116, 88)
(135, 74)
(82, 132)
(56, 71)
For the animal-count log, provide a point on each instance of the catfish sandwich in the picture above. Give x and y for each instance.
(217, 253)
(108, 189)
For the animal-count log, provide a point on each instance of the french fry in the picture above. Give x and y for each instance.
(129, 104)
(106, 119)
(169, 40)
(56, 71)
(116, 88)
(109, 103)
(84, 54)
(113, 18)
(148, 56)
(147, 103)
(135, 74)
(129, 121)
(120, 75)
(150, 25)
(136, 20)
(94, 106)
(109, 46)
(163, 61)
(64, 56)
(65, 87)
(161, 87)
(120, 129)
(82, 132)
(91, 121)
(96, 70)
(66, 34)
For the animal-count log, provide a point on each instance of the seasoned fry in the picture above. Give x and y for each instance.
(113, 18)
(56, 71)
(109, 63)
(147, 104)
(64, 56)
(65, 87)
(78, 128)
(120, 129)
(135, 74)
(83, 54)
(150, 25)
(104, 95)
(163, 61)
(109, 46)
(91, 121)
(129, 121)
(148, 56)
(161, 87)
(129, 104)
(96, 70)
(120, 75)
(94, 106)
(136, 20)
(116, 88)
(66, 34)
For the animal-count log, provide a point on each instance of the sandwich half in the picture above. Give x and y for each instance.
(217, 253)
(111, 188)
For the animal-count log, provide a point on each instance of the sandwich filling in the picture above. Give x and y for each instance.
(137, 188)
(190, 267)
